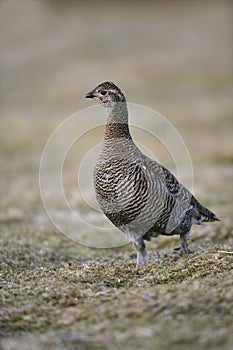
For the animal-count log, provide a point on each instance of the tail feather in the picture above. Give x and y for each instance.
(213, 217)
(206, 214)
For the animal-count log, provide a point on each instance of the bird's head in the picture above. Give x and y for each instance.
(106, 94)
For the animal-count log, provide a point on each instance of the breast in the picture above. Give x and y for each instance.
(121, 189)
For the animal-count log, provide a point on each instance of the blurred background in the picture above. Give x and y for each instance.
(172, 56)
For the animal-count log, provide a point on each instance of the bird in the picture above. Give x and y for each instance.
(137, 194)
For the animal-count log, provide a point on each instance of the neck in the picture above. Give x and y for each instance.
(117, 122)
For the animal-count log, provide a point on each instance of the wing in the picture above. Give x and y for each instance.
(174, 200)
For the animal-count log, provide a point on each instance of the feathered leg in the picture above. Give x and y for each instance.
(184, 249)
(140, 246)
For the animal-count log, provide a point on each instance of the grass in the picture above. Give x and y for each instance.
(79, 297)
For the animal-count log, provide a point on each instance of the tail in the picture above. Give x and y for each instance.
(211, 216)
(206, 214)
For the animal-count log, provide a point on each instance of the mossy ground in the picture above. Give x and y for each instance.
(175, 57)
(103, 301)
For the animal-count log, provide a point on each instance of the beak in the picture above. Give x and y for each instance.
(89, 95)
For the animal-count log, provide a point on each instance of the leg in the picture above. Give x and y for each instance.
(184, 249)
(140, 246)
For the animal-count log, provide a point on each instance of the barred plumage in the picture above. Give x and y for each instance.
(139, 196)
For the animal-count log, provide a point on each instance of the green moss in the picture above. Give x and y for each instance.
(109, 298)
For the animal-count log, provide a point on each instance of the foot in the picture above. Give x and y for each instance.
(142, 259)
(185, 252)
(182, 252)
(184, 249)
(141, 262)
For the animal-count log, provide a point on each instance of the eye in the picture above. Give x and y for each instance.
(104, 92)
